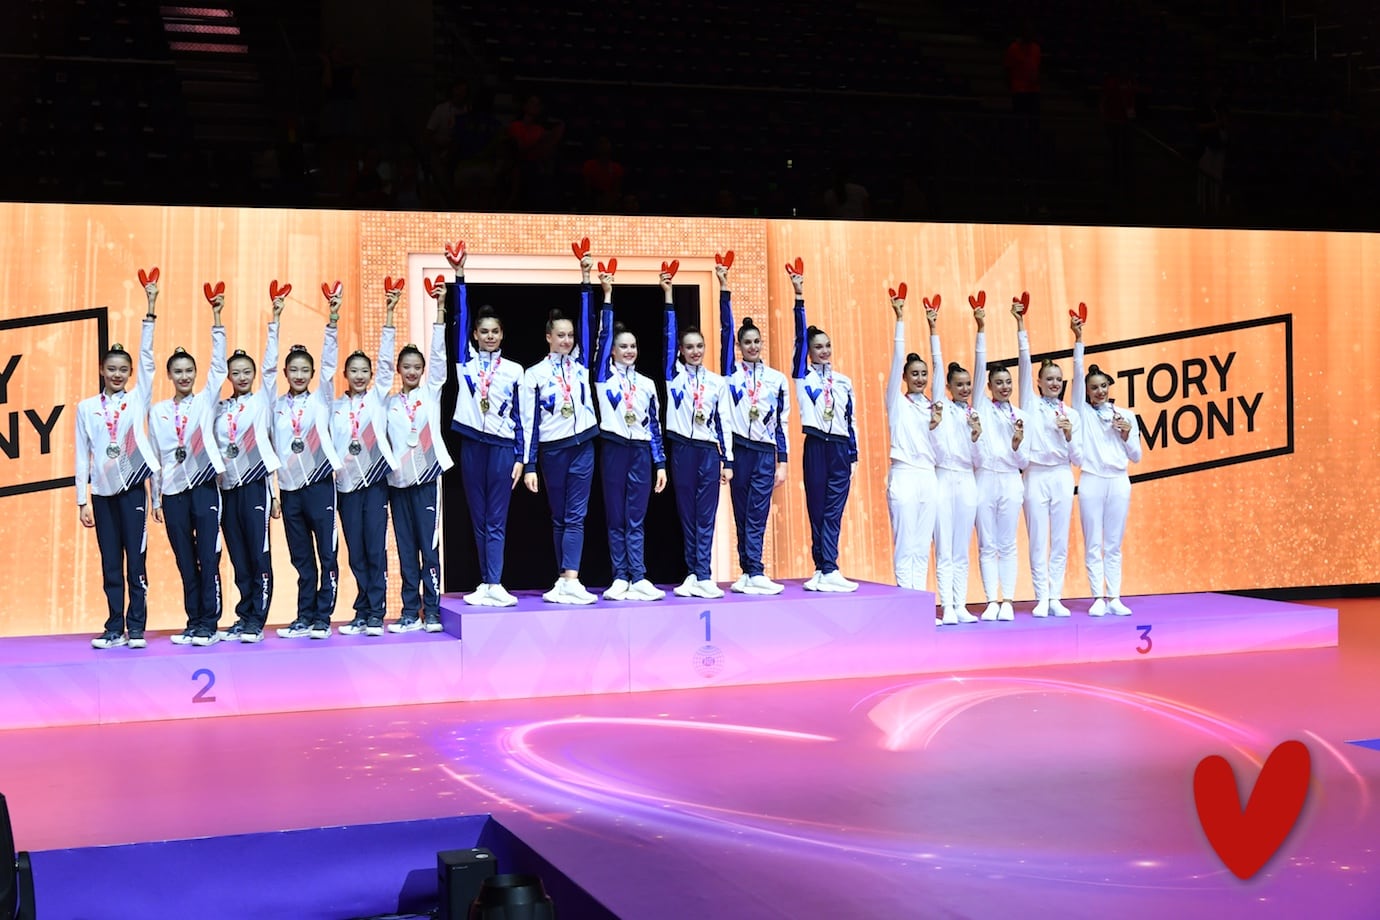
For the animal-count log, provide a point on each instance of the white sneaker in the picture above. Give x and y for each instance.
(740, 586)
(557, 593)
(813, 583)
(938, 621)
(479, 597)
(990, 614)
(499, 597)
(964, 616)
(687, 587)
(1057, 608)
(644, 590)
(761, 584)
(576, 592)
(709, 589)
(1041, 609)
(1098, 608)
(835, 582)
(1118, 608)
(618, 591)
(950, 617)
(1006, 613)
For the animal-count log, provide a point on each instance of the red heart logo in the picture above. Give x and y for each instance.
(274, 291)
(978, 302)
(434, 287)
(898, 292)
(330, 291)
(932, 304)
(670, 268)
(1081, 314)
(797, 267)
(726, 260)
(1246, 839)
(455, 251)
(581, 249)
(1023, 300)
(610, 269)
(149, 277)
(212, 292)
(390, 284)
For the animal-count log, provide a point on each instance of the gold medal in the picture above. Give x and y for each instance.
(753, 413)
(630, 417)
(699, 417)
(828, 415)
(484, 405)
(567, 410)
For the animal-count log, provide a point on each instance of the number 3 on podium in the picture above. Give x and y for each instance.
(1147, 642)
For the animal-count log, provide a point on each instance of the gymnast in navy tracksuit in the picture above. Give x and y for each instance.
(488, 421)
(185, 498)
(831, 445)
(700, 449)
(306, 482)
(631, 457)
(757, 408)
(110, 431)
(359, 423)
(246, 494)
(414, 493)
(558, 429)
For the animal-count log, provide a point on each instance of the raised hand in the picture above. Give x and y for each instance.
(333, 295)
(149, 280)
(435, 288)
(796, 271)
(668, 272)
(581, 250)
(392, 292)
(215, 295)
(456, 254)
(979, 305)
(898, 299)
(1077, 319)
(606, 273)
(722, 263)
(1019, 305)
(279, 297)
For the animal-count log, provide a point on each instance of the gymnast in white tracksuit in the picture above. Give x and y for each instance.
(958, 447)
(912, 494)
(1111, 440)
(1055, 443)
(1000, 489)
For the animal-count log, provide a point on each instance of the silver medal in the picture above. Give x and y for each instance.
(298, 445)
(412, 439)
(180, 454)
(232, 451)
(113, 451)
(355, 448)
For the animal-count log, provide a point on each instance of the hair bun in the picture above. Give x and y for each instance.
(357, 353)
(239, 353)
(411, 345)
(912, 357)
(954, 366)
(117, 347)
(297, 348)
(1094, 369)
(179, 350)
(748, 323)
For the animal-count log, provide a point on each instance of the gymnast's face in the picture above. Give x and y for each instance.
(488, 335)
(917, 377)
(116, 371)
(359, 372)
(961, 386)
(625, 349)
(692, 349)
(1099, 388)
(183, 374)
(299, 370)
(410, 369)
(561, 338)
(1052, 382)
(750, 345)
(241, 375)
(999, 382)
(821, 349)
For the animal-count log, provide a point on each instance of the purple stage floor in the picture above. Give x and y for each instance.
(1058, 791)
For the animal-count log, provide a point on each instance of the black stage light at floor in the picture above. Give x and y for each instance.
(16, 875)
(513, 897)
(459, 876)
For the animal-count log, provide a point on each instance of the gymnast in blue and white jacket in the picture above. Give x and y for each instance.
(699, 446)
(489, 423)
(631, 457)
(558, 426)
(757, 410)
(831, 443)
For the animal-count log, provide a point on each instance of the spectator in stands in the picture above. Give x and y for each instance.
(447, 127)
(845, 199)
(603, 177)
(1211, 124)
(535, 140)
(1022, 63)
(1119, 92)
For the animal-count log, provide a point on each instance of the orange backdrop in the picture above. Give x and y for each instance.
(1281, 497)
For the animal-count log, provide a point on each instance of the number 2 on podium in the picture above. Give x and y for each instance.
(705, 616)
(201, 695)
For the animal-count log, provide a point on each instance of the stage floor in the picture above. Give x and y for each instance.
(1060, 791)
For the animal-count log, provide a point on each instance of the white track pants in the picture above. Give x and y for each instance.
(958, 502)
(913, 499)
(998, 515)
(1048, 511)
(1103, 503)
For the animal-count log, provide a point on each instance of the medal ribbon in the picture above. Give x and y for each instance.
(628, 385)
(297, 416)
(1010, 412)
(697, 377)
(355, 416)
(112, 425)
(828, 388)
(410, 410)
(558, 366)
(756, 387)
(1055, 406)
(179, 424)
(232, 424)
(486, 379)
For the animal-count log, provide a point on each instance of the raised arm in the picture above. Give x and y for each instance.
(437, 369)
(1079, 391)
(800, 359)
(269, 387)
(1026, 379)
(586, 303)
(143, 387)
(383, 378)
(604, 356)
(216, 374)
(980, 397)
(457, 301)
(894, 381)
(669, 327)
(330, 350)
(721, 267)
